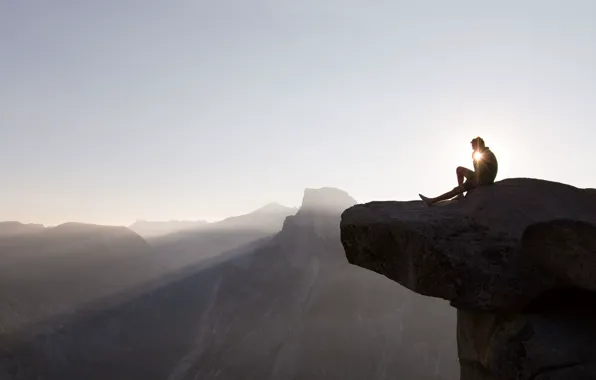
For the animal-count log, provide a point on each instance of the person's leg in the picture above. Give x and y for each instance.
(462, 187)
(448, 195)
(464, 173)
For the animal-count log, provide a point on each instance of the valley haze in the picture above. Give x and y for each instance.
(267, 294)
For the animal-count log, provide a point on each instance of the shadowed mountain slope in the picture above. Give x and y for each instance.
(187, 248)
(55, 270)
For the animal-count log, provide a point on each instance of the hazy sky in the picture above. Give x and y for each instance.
(115, 110)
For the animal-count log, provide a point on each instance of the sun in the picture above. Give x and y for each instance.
(477, 156)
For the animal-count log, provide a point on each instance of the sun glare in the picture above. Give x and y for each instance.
(477, 156)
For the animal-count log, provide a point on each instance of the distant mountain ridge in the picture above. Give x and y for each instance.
(148, 228)
(188, 247)
(55, 270)
(12, 228)
(45, 271)
(268, 218)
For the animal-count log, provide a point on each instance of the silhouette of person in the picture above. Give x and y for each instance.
(484, 173)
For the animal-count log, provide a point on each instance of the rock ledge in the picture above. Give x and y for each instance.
(518, 261)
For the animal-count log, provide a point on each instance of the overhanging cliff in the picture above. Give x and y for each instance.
(517, 259)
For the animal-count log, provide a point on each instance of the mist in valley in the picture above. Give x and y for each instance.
(266, 295)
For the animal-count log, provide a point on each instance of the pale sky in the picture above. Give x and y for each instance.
(115, 110)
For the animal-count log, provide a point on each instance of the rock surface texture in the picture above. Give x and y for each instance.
(518, 261)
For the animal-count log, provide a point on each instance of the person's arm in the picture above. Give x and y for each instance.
(474, 161)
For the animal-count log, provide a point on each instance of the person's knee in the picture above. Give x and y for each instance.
(460, 170)
(470, 185)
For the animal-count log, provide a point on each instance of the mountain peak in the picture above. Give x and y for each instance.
(274, 208)
(326, 199)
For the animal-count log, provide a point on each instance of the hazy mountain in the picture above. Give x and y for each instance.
(49, 271)
(306, 313)
(17, 228)
(325, 200)
(268, 218)
(185, 248)
(56, 270)
(292, 308)
(149, 229)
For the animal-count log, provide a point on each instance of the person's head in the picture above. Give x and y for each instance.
(477, 143)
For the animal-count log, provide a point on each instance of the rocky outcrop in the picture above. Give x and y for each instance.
(517, 259)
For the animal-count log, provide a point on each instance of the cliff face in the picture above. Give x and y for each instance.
(518, 261)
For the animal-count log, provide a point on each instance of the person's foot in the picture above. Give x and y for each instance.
(426, 200)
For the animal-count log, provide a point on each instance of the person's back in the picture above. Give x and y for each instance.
(486, 165)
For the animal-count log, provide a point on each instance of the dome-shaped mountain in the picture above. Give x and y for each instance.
(326, 199)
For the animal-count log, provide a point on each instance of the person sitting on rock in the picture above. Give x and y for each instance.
(484, 173)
